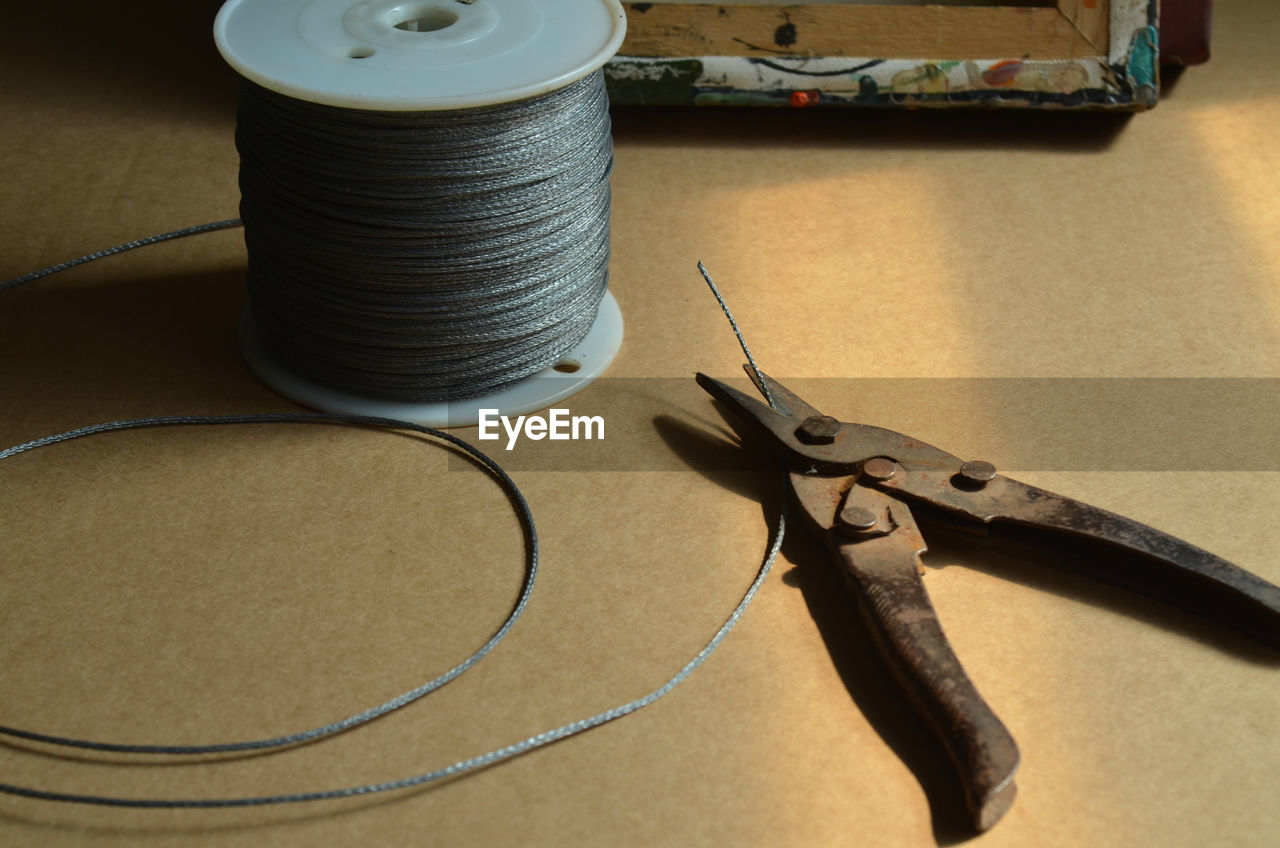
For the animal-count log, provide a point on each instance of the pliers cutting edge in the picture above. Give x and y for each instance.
(859, 486)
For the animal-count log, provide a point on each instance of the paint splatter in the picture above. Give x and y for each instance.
(1002, 73)
(785, 35)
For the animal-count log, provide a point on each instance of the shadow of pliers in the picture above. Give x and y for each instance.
(858, 486)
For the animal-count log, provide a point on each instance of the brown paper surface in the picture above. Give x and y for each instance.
(194, 585)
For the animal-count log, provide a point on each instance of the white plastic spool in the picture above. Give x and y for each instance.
(414, 56)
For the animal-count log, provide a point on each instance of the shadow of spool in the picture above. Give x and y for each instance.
(172, 349)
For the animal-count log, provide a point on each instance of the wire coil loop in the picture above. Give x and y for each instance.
(425, 255)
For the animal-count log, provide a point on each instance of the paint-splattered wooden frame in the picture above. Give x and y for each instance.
(1100, 54)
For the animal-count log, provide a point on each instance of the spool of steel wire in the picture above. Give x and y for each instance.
(425, 194)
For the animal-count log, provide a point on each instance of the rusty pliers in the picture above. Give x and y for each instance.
(862, 487)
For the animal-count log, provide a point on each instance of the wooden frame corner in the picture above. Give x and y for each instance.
(1063, 53)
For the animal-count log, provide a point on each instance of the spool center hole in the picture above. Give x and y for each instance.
(423, 18)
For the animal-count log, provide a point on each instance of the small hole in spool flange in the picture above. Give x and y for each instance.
(360, 52)
(567, 366)
(421, 18)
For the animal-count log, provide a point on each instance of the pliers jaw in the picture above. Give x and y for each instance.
(781, 422)
(813, 442)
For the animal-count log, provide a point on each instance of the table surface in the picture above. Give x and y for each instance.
(1089, 301)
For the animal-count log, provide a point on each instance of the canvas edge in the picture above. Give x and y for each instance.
(1125, 79)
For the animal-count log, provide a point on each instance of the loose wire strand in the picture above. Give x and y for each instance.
(460, 767)
(365, 716)
(228, 224)
(751, 360)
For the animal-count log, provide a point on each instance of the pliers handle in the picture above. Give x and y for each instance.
(858, 485)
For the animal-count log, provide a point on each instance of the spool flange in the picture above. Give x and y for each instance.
(568, 376)
(431, 54)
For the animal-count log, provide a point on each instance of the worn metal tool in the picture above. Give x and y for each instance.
(863, 487)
